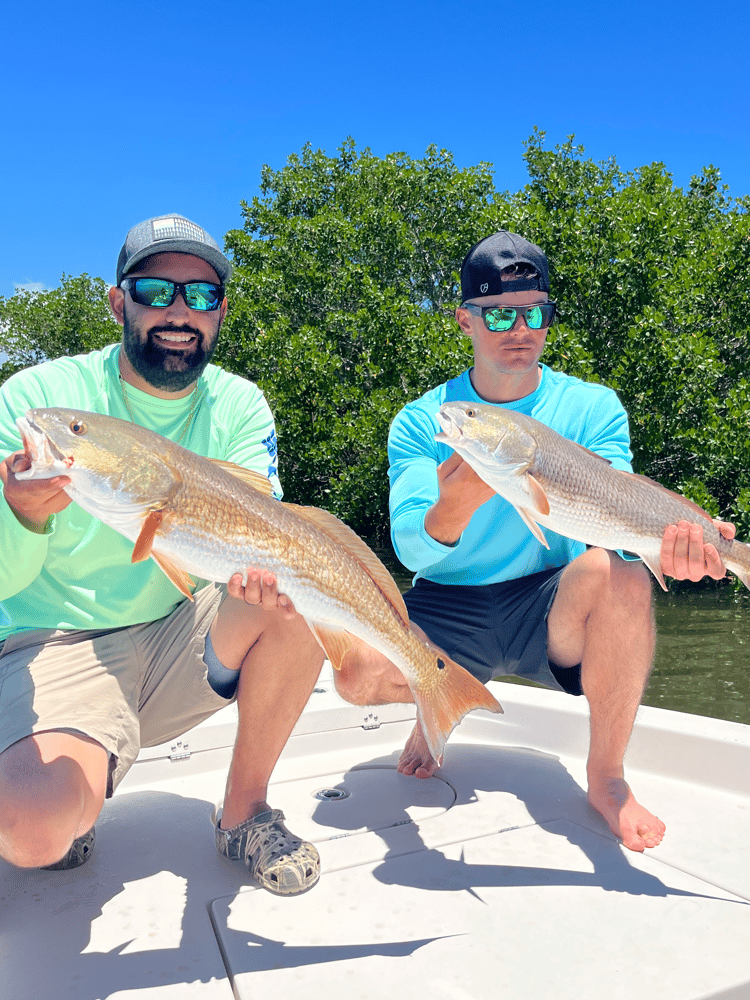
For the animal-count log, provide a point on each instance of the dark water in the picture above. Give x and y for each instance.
(703, 653)
(702, 660)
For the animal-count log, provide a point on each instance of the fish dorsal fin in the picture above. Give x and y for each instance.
(335, 642)
(256, 480)
(592, 453)
(144, 542)
(351, 541)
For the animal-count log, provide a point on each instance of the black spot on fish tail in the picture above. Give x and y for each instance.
(441, 664)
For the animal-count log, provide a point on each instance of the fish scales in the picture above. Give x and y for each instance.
(588, 496)
(227, 526)
(588, 500)
(207, 518)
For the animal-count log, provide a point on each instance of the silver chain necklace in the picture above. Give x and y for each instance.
(191, 414)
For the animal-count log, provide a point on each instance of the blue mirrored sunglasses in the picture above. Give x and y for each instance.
(500, 319)
(158, 293)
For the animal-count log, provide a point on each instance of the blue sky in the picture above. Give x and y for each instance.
(114, 112)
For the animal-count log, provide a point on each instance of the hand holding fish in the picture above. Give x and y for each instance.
(462, 493)
(685, 556)
(35, 499)
(261, 588)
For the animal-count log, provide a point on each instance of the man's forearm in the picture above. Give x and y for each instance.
(444, 524)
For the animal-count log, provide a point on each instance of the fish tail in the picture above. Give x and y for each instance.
(450, 695)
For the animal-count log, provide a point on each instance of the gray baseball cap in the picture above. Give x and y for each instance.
(483, 264)
(170, 234)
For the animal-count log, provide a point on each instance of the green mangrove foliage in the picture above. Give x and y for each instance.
(346, 278)
(69, 320)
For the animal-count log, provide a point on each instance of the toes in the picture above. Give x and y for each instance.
(415, 763)
(408, 761)
(425, 770)
(642, 837)
(634, 841)
(652, 838)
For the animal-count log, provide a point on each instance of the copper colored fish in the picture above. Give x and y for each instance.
(212, 519)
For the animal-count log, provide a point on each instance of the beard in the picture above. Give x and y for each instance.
(164, 368)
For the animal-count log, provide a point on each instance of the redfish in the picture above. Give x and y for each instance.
(212, 519)
(557, 484)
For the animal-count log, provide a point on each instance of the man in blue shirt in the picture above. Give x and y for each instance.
(485, 590)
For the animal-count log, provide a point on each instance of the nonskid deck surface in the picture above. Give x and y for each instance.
(492, 879)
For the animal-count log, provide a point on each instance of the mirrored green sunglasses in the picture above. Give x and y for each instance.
(158, 293)
(500, 319)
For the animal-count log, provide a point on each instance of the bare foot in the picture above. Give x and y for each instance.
(416, 758)
(627, 819)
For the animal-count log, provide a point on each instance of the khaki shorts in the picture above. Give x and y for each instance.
(125, 688)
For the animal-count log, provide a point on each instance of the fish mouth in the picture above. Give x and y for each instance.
(37, 444)
(449, 428)
(29, 439)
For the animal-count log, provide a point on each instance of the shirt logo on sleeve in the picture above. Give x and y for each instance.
(271, 445)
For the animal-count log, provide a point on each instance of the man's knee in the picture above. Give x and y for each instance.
(630, 581)
(367, 677)
(46, 803)
(604, 575)
(238, 627)
(294, 633)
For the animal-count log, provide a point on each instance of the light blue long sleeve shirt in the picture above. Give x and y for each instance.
(496, 545)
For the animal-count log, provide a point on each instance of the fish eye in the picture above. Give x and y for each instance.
(471, 413)
(78, 427)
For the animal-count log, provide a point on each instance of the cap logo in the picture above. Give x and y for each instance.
(483, 287)
(171, 229)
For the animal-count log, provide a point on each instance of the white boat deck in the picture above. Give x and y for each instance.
(493, 879)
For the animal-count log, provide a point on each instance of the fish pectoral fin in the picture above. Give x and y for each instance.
(182, 580)
(256, 480)
(144, 547)
(539, 505)
(336, 643)
(538, 495)
(144, 542)
(527, 516)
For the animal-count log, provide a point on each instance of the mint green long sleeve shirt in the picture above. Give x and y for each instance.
(79, 574)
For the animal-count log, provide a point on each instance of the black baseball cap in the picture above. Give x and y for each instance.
(483, 264)
(170, 234)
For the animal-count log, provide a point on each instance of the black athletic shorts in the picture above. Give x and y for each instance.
(495, 629)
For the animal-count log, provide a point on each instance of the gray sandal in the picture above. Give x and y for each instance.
(79, 853)
(280, 862)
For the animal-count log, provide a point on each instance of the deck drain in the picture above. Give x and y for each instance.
(331, 794)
